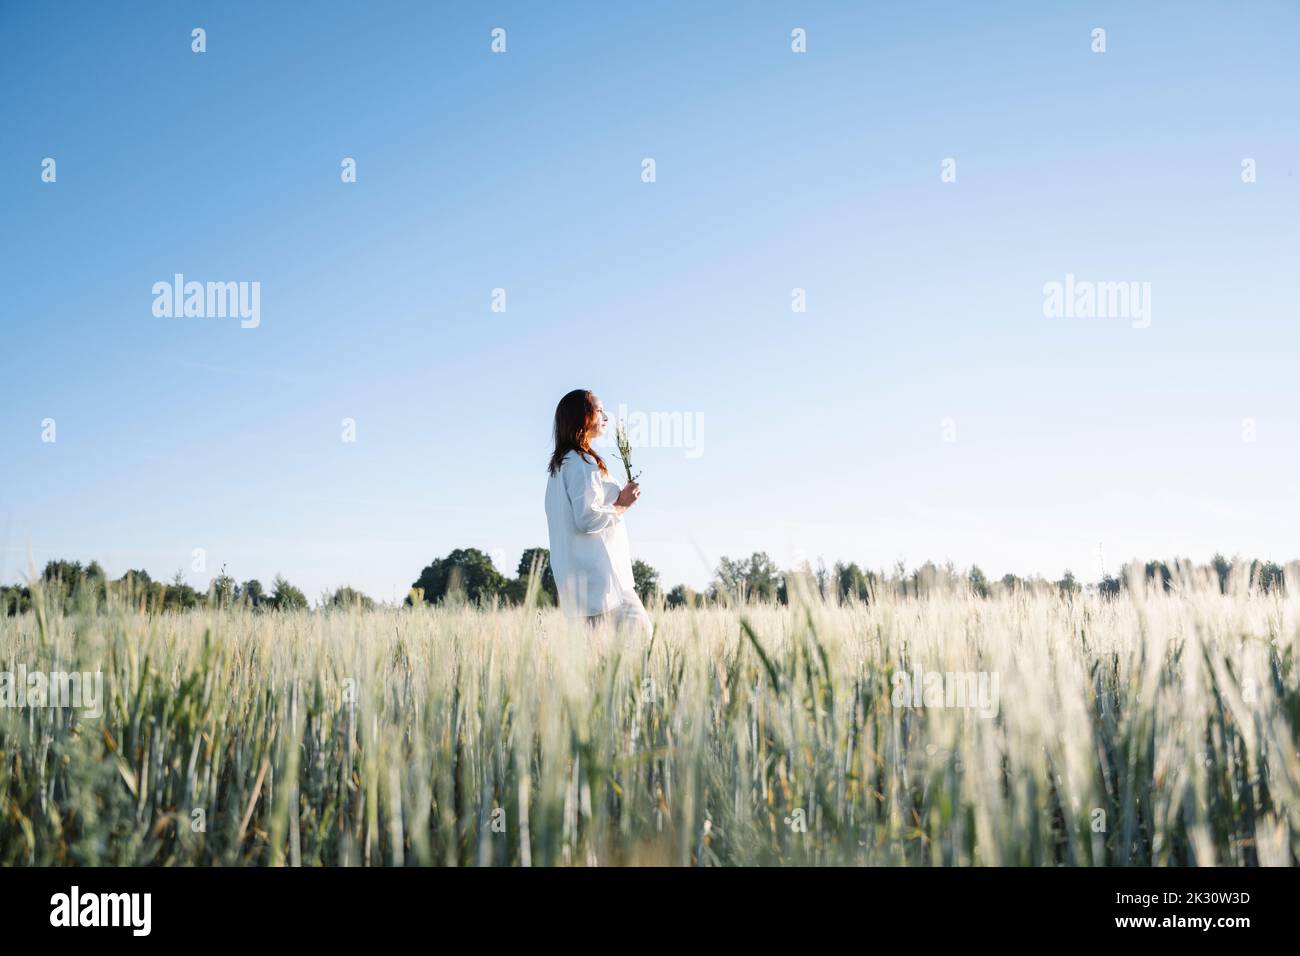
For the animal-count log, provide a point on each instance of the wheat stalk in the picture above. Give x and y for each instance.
(624, 450)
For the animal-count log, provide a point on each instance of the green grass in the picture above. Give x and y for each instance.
(502, 737)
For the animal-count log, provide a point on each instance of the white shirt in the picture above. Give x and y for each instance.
(590, 557)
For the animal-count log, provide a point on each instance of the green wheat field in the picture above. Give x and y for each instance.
(1149, 729)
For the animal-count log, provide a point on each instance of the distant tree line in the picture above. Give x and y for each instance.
(74, 586)
(468, 575)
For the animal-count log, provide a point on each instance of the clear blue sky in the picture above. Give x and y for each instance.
(822, 430)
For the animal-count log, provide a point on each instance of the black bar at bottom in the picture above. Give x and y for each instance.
(362, 907)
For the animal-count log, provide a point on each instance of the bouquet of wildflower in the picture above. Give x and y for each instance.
(625, 451)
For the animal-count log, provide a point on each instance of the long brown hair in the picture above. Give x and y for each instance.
(575, 420)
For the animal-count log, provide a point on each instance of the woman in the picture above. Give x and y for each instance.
(584, 513)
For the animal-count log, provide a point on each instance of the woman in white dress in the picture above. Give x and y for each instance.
(590, 557)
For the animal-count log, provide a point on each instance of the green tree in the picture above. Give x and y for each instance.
(852, 583)
(466, 571)
(823, 577)
(543, 558)
(252, 594)
(179, 596)
(1222, 568)
(69, 572)
(1269, 576)
(1068, 585)
(140, 589)
(350, 597)
(646, 580)
(223, 590)
(755, 578)
(682, 596)
(926, 579)
(801, 580)
(15, 600)
(286, 597)
(74, 587)
(1158, 569)
(979, 585)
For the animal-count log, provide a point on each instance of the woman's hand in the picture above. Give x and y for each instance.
(628, 496)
